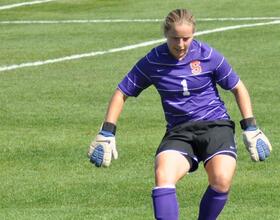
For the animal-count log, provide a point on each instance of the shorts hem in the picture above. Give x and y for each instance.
(192, 160)
(224, 152)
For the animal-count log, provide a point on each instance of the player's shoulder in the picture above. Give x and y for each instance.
(205, 51)
(155, 54)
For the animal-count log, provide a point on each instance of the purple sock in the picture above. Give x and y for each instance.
(211, 205)
(165, 204)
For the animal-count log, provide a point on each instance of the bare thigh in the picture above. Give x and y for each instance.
(170, 166)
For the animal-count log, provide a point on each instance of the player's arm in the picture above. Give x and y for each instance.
(115, 107)
(103, 147)
(256, 142)
(243, 100)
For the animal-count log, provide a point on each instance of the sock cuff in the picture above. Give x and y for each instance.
(171, 186)
(163, 191)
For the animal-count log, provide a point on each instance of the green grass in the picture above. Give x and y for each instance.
(49, 114)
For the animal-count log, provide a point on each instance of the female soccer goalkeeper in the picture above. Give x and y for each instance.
(186, 73)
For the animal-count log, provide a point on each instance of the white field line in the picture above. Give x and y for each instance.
(129, 20)
(4, 7)
(130, 47)
(238, 19)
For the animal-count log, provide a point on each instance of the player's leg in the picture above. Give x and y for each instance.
(170, 166)
(220, 170)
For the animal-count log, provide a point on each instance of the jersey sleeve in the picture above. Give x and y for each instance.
(136, 80)
(225, 76)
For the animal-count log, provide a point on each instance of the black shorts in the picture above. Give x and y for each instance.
(200, 141)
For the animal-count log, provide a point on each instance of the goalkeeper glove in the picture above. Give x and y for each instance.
(103, 147)
(255, 141)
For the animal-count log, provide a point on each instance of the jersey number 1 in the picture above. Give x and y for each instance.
(185, 88)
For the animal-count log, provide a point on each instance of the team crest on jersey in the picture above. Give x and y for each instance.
(195, 67)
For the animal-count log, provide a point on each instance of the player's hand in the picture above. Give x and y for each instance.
(254, 139)
(257, 144)
(103, 147)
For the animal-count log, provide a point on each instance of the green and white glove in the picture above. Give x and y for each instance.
(103, 147)
(255, 141)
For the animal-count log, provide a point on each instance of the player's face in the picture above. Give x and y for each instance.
(179, 38)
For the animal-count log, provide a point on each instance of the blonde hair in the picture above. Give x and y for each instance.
(178, 16)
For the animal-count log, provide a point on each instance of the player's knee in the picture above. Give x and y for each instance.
(221, 183)
(163, 177)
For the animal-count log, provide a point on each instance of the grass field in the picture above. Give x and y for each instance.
(50, 113)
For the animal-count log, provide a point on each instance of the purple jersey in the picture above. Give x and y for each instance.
(187, 87)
